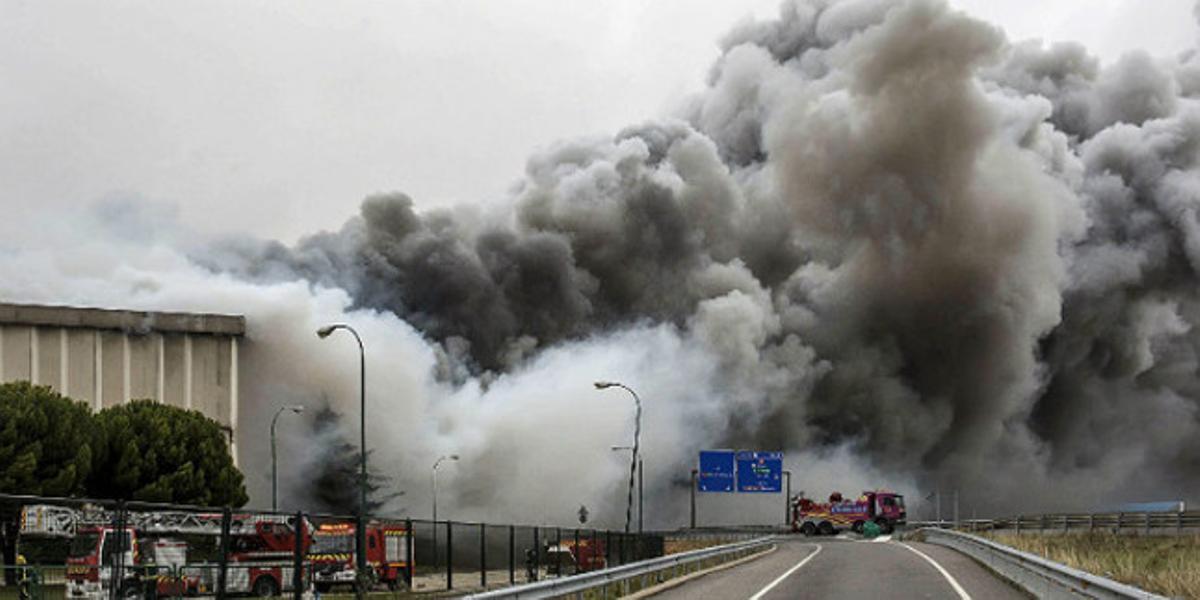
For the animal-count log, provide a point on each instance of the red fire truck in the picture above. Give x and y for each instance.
(334, 561)
(568, 558)
(147, 560)
(885, 509)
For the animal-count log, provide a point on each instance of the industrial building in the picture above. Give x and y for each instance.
(107, 357)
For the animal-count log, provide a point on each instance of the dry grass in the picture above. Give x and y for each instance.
(1167, 565)
(676, 546)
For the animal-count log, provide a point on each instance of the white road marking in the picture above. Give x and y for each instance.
(882, 538)
(953, 582)
(777, 581)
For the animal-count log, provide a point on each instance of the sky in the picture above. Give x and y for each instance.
(276, 119)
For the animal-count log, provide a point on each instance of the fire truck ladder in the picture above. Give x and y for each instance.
(60, 521)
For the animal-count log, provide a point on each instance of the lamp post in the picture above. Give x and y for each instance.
(274, 461)
(360, 528)
(637, 434)
(436, 463)
(641, 472)
(435, 469)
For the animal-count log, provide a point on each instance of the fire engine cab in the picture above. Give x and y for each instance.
(334, 560)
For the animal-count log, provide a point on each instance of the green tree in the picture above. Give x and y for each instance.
(47, 442)
(338, 469)
(160, 453)
(47, 447)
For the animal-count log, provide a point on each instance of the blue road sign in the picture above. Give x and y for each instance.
(760, 472)
(716, 471)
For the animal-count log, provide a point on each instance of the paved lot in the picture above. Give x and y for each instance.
(846, 568)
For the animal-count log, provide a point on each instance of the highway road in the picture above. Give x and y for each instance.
(822, 567)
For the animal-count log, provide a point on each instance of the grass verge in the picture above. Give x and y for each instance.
(1167, 565)
(680, 545)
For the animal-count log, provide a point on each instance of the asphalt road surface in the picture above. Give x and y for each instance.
(821, 567)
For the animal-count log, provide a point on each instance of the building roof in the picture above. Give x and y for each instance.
(132, 321)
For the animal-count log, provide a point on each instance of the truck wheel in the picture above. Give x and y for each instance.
(131, 591)
(826, 528)
(808, 529)
(857, 527)
(884, 525)
(265, 587)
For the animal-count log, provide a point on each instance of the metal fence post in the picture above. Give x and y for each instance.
(1091, 521)
(449, 554)
(1179, 522)
(512, 548)
(558, 551)
(410, 559)
(117, 579)
(223, 553)
(483, 556)
(300, 532)
(1120, 521)
(537, 559)
(607, 547)
(1147, 517)
(577, 553)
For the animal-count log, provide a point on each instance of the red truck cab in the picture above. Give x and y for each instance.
(884, 508)
(91, 557)
(333, 555)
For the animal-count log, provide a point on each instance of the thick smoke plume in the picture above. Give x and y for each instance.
(884, 239)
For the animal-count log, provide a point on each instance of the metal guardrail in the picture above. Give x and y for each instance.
(1041, 577)
(577, 584)
(1168, 522)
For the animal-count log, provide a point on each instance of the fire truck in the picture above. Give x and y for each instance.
(147, 554)
(885, 509)
(334, 561)
(568, 558)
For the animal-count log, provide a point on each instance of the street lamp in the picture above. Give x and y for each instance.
(435, 468)
(641, 469)
(436, 463)
(360, 529)
(274, 461)
(637, 434)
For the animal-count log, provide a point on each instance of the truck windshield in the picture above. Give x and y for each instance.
(332, 544)
(112, 540)
(84, 545)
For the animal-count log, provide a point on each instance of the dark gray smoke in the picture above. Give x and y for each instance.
(970, 262)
